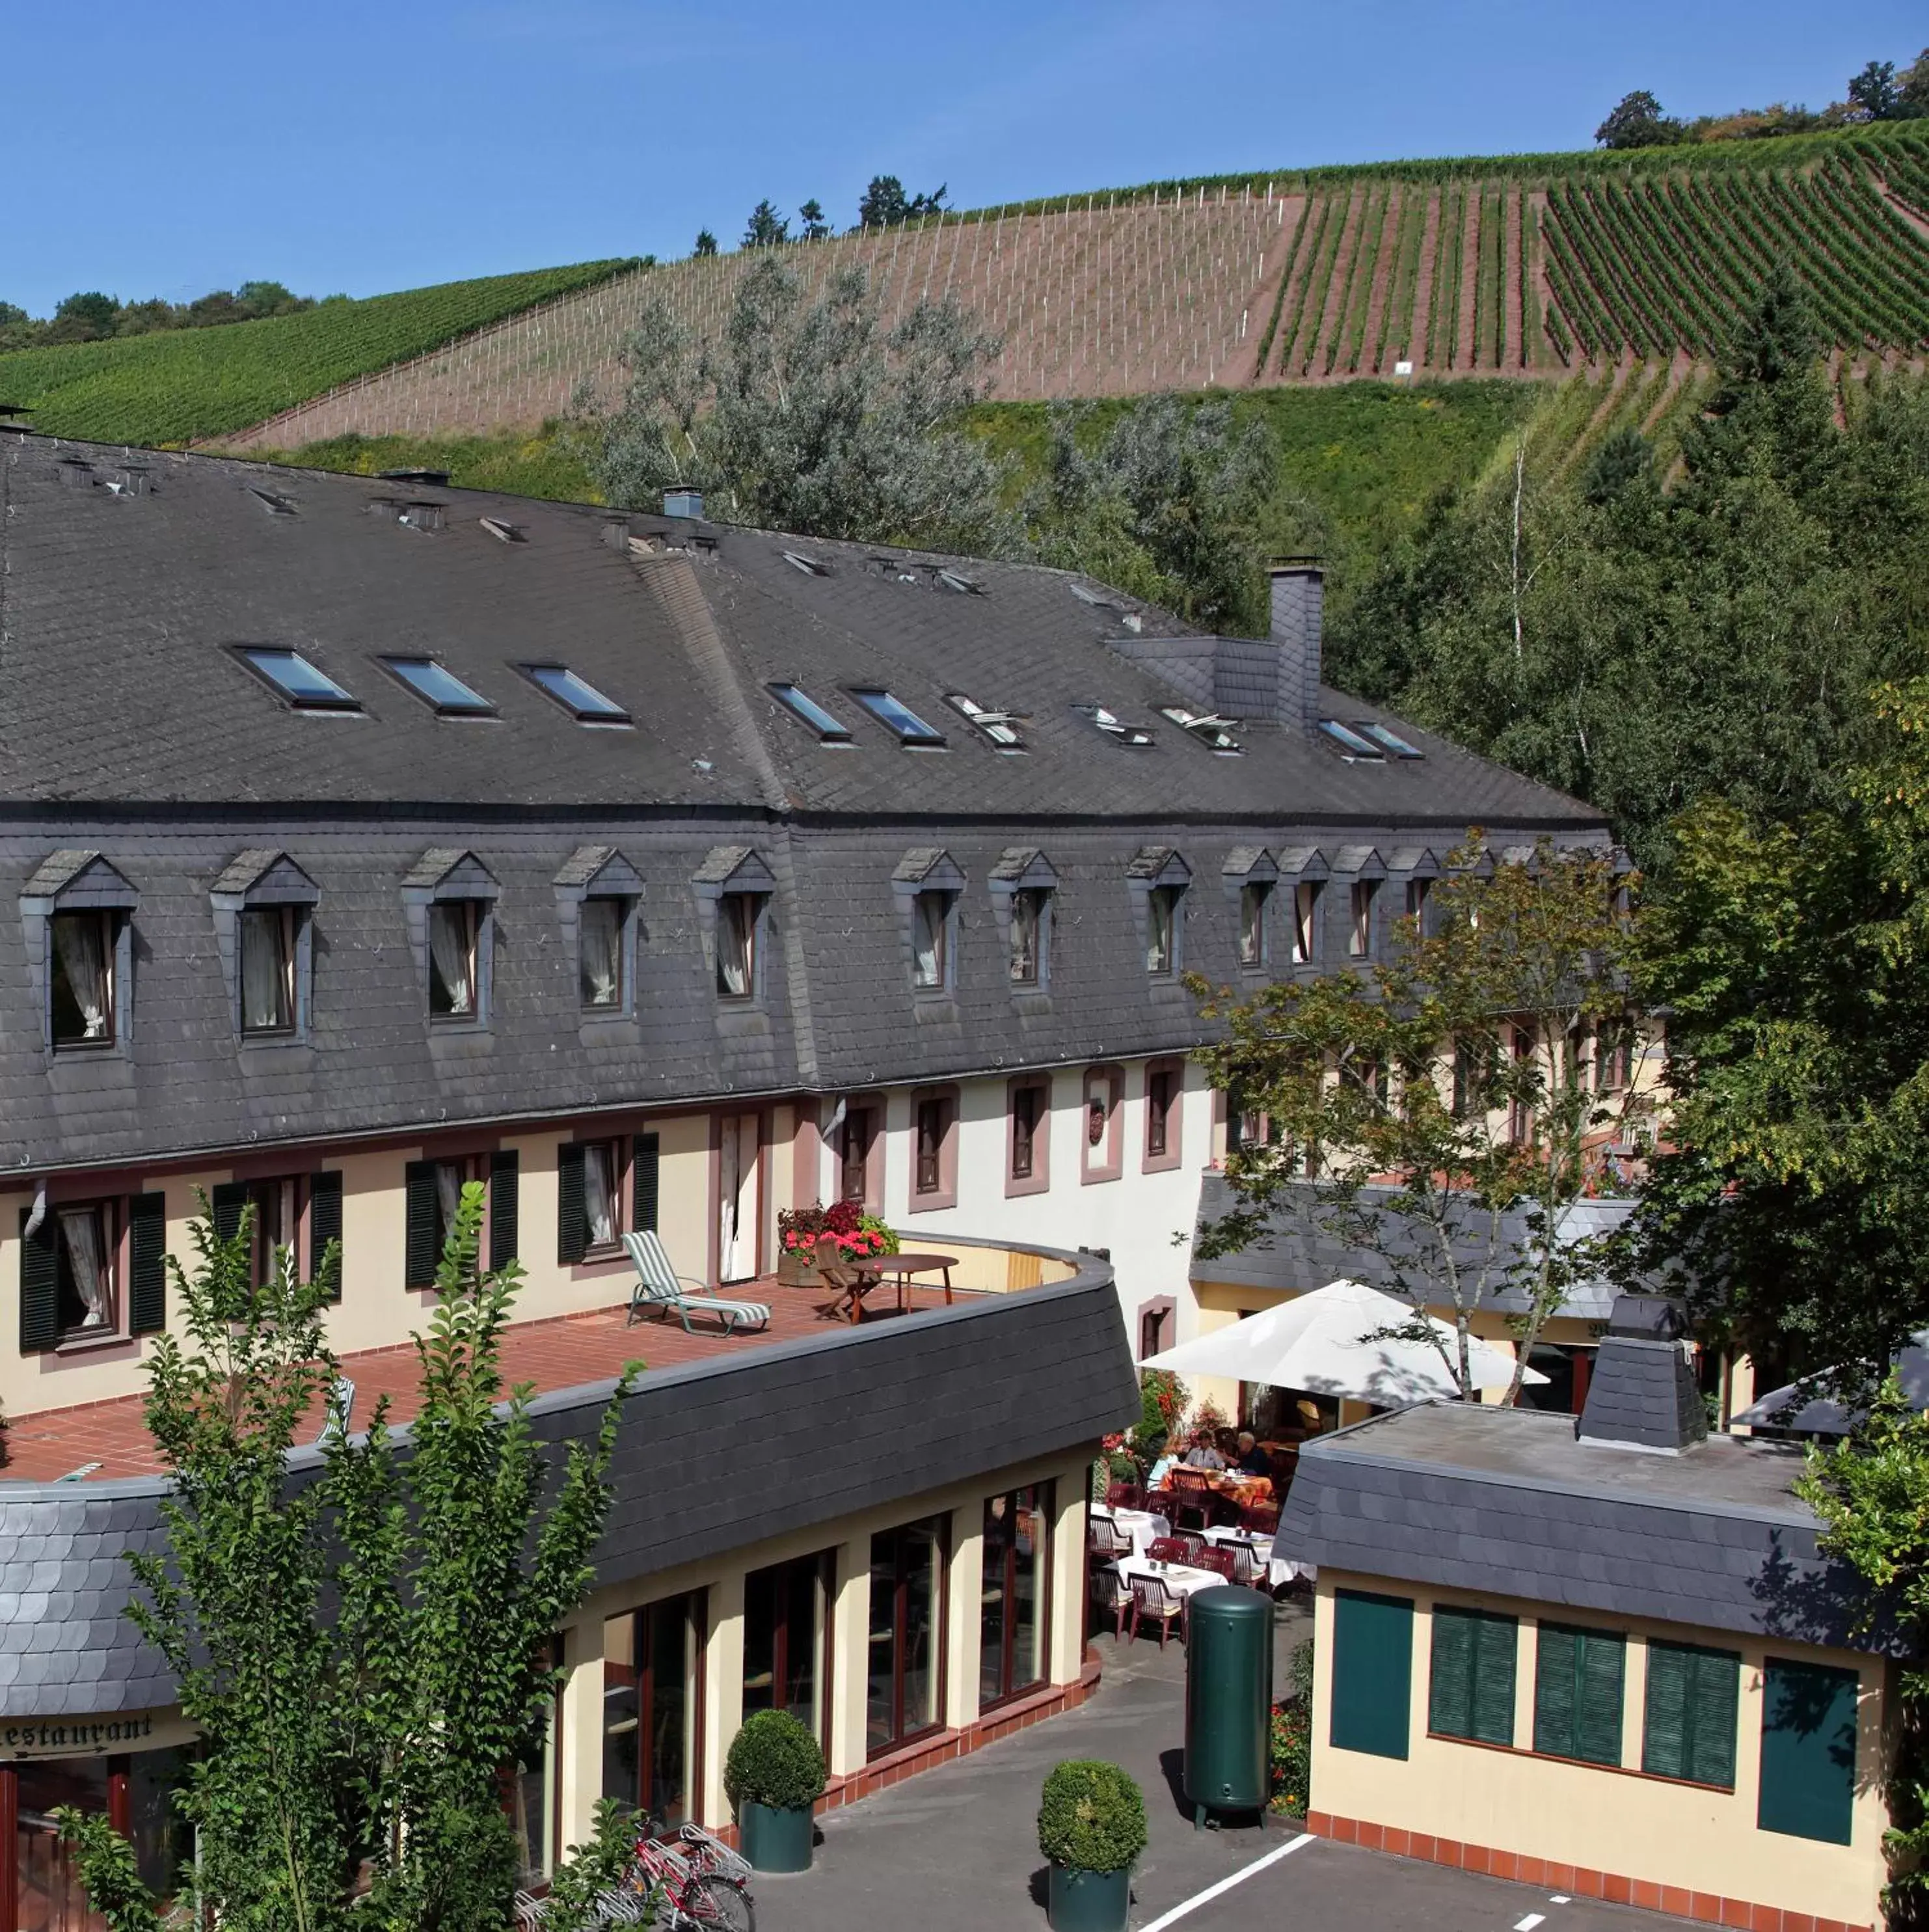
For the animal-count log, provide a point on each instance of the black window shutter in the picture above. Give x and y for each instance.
(230, 1202)
(420, 1216)
(147, 1263)
(504, 1175)
(324, 1223)
(39, 1283)
(1450, 1688)
(572, 1224)
(643, 1185)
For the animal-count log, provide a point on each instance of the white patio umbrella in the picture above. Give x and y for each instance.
(1320, 1342)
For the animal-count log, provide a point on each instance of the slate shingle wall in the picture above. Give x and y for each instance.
(711, 1458)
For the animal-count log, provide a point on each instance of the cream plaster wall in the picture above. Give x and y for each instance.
(723, 1580)
(1621, 1821)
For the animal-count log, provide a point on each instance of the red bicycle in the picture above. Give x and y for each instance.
(693, 1883)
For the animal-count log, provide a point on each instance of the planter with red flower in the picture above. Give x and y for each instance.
(858, 1236)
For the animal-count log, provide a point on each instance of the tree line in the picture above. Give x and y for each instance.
(884, 204)
(1878, 93)
(88, 316)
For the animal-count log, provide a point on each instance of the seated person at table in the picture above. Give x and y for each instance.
(1203, 1455)
(1253, 1460)
(1168, 1461)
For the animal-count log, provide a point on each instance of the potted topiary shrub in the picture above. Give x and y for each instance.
(773, 1776)
(1091, 1827)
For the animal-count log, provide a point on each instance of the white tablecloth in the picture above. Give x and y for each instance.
(1179, 1578)
(1142, 1526)
(1279, 1569)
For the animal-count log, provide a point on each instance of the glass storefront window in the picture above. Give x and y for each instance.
(785, 1611)
(651, 1659)
(904, 1684)
(48, 1893)
(530, 1796)
(1011, 1621)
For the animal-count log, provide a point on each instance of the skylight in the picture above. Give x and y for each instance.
(580, 698)
(501, 531)
(952, 580)
(1091, 597)
(811, 566)
(802, 706)
(1207, 726)
(1349, 741)
(1114, 726)
(438, 687)
(898, 717)
(273, 502)
(998, 726)
(298, 680)
(1390, 740)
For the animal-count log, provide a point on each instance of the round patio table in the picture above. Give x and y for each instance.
(900, 1268)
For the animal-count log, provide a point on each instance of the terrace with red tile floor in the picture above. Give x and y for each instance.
(560, 1352)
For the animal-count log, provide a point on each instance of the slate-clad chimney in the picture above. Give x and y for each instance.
(1642, 1390)
(1298, 592)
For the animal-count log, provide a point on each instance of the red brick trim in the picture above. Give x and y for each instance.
(1582, 1881)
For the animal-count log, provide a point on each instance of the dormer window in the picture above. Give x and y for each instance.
(1031, 907)
(1253, 897)
(1306, 921)
(83, 978)
(600, 954)
(1162, 905)
(930, 941)
(267, 935)
(1359, 938)
(738, 916)
(453, 927)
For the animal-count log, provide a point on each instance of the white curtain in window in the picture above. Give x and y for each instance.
(83, 959)
(1024, 938)
(449, 949)
(80, 1229)
(448, 1192)
(263, 971)
(601, 934)
(736, 924)
(1158, 950)
(599, 1196)
(927, 939)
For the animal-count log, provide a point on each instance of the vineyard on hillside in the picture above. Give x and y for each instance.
(186, 384)
(1541, 267)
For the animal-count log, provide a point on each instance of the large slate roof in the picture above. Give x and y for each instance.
(710, 1457)
(1509, 1502)
(129, 597)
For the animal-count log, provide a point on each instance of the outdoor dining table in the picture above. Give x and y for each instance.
(1279, 1569)
(899, 1268)
(1181, 1578)
(1144, 1527)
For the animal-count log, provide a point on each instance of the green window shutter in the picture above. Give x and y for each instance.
(572, 1220)
(39, 1283)
(1372, 1673)
(504, 1178)
(147, 1263)
(1496, 1649)
(1689, 1722)
(228, 1203)
(1808, 1751)
(324, 1223)
(1577, 1689)
(643, 1185)
(1664, 1711)
(1602, 1684)
(1450, 1685)
(419, 1219)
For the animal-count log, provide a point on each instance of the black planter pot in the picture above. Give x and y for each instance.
(776, 1840)
(1088, 1901)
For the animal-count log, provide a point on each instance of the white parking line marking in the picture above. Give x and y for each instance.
(1239, 1877)
(1532, 1919)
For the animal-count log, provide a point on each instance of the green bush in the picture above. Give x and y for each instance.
(774, 1761)
(1090, 1817)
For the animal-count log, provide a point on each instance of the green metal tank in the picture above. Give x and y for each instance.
(1228, 1700)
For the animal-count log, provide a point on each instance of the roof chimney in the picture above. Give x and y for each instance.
(1298, 591)
(1642, 1394)
(683, 501)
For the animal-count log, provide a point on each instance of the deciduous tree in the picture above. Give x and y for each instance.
(1442, 1109)
(1636, 121)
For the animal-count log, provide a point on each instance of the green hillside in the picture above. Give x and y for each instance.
(187, 385)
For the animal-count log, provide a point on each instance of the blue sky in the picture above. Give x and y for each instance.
(348, 146)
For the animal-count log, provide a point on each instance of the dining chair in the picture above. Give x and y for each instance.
(1113, 1595)
(1151, 1601)
(1215, 1557)
(1262, 1518)
(1192, 1496)
(1171, 1550)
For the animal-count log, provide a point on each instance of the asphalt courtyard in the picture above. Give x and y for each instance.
(955, 1850)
